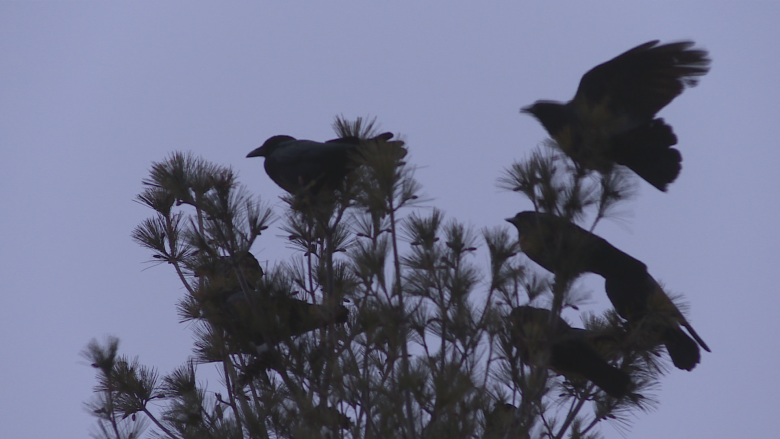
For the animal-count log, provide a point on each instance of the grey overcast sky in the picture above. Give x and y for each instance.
(92, 92)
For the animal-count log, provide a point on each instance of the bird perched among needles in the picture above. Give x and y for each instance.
(546, 340)
(611, 118)
(262, 319)
(305, 165)
(255, 318)
(566, 249)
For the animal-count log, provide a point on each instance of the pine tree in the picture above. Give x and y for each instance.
(382, 324)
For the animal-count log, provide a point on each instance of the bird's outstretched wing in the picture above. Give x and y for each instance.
(643, 80)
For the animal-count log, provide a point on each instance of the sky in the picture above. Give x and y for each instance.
(91, 93)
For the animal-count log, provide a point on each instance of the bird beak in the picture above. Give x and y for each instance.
(527, 109)
(510, 220)
(258, 152)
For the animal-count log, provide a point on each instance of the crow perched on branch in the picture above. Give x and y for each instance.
(546, 340)
(611, 118)
(252, 317)
(262, 320)
(305, 165)
(566, 249)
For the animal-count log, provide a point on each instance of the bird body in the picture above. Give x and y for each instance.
(263, 320)
(251, 317)
(568, 250)
(611, 119)
(546, 340)
(297, 165)
(565, 248)
(305, 165)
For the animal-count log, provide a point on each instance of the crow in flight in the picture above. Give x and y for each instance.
(565, 350)
(611, 118)
(305, 165)
(566, 249)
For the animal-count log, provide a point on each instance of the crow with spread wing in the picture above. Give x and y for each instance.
(546, 340)
(611, 118)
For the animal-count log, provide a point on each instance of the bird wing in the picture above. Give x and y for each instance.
(305, 162)
(644, 79)
(355, 140)
(607, 260)
(303, 151)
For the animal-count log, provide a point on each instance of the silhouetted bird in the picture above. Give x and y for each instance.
(642, 302)
(262, 320)
(254, 318)
(305, 165)
(611, 118)
(568, 250)
(546, 340)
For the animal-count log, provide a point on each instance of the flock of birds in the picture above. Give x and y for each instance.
(610, 121)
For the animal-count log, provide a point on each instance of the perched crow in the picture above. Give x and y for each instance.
(305, 165)
(642, 302)
(566, 249)
(565, 350)
(569, 250)
(252, 317)
(612, 116)
(272, 320)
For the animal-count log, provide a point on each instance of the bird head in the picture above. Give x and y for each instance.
(523, 221)
(269, 146)
(553, 116)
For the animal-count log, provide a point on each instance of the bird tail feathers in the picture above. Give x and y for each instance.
(696, 336)
(683, 350)
(576, 356)
(647, 150)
